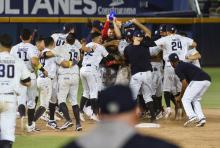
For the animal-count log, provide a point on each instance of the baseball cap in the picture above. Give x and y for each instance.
(129, 33)
(95, 34)
(173, 57)
(97, 24)
(116, 99)
(162, 28)
(170, 28)
(138, 33)
(67, 27)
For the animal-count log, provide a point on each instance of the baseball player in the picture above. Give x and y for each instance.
(172, 43)
(60, 39)
(68, 80)
(138, 56)
(89, 72)
(44, 83)
(13, 71)
(29, 54)
(195, 83)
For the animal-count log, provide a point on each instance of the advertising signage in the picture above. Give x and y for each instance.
(80, 8)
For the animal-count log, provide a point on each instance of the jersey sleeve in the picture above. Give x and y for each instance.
(34, 52)
(78, 44)
(12, 52)
(104, 52)
(192, 51)
(180, 74)
(189, 41)
(160, 42)
(154, 50)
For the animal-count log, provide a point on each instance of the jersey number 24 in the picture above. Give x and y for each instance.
(176, 46)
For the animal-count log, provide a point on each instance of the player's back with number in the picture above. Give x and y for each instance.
(12, 70)
(25, 50)
(94, 56)
(174, 43)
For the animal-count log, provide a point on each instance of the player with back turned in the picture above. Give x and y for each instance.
(29, 54)
(13, 71)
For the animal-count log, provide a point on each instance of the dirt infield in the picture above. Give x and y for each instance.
(194, 137)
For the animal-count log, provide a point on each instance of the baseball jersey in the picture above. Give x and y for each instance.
(25, 51)
(94, 56)
(60, 39)
(68, 52)
(12, 70)
(49, 65)
(121, 46)
(174, 43)
(190, 72)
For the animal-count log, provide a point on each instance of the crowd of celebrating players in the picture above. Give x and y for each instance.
(111, 54)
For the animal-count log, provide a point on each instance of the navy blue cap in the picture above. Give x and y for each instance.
(162, 28)
(129, 33)
(173, 57)
(138, 33)
(116, 99)
(170, 28)
(97, 24)
(67, 27)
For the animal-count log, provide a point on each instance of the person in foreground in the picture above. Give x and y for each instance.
(195, 83)
(116, 128)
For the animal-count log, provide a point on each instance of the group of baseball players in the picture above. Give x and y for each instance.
(152, 64)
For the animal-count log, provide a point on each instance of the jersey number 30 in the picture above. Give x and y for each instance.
(176, 46)
(7, 70)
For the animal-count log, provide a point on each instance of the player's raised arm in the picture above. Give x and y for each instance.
(116, 28)
(142, 27)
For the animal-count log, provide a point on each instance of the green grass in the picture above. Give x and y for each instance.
(210, 100)
(211, 97)
(40, 141)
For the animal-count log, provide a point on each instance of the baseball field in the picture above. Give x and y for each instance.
(205, 137)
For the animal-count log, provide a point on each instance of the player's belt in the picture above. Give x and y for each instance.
(89, 65)
(10, 93)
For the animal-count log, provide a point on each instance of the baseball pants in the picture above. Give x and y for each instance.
(171, 82)
(45, 89)
(142, 81)
(32, 92)
(89, 82)
(157, 76)
(193, 94)
(68, 85)
(8, 117)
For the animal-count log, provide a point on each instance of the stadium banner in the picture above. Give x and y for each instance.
(81, 8)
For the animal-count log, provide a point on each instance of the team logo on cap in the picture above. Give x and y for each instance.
(113, 107)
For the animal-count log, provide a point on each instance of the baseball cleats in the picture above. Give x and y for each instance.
(32, 128)
(81, 116)
(94, 117)
(201, 123)
(190, 122)
(52, 124)
(168, 113)
(78, 127)
(59, 114)
(66, 125)
(159, 115)
(179, 114)
(45, 117)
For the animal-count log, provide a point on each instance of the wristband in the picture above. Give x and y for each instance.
(41, 68)
(70, 63)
